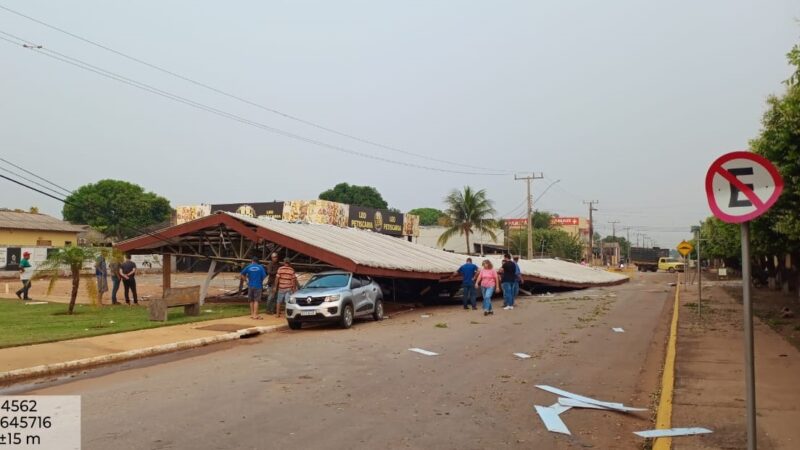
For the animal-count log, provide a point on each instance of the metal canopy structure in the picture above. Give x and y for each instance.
(234, 238)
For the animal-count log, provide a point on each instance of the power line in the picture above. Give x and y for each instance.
(244, 100)
(31, 181)
(36, 176)
(153, 90)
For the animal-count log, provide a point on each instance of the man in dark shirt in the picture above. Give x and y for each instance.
(508, 276)
(127, 271)
(467, 272)
(272, 290)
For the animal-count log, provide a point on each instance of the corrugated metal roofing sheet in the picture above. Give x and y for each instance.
(378, 250)
(29, 221)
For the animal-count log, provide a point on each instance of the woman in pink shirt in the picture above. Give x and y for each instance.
(487, 281)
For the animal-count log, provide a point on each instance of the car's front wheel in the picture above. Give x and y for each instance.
(347, 317)
(671, 270)
(378, 313)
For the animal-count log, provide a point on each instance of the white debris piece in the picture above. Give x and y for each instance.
(551, 420)
(615, 406)
(425, 316)
(572, 403)
(522, 355)
(423, 352)
(672, 432)
(559, 408)
(618, 330)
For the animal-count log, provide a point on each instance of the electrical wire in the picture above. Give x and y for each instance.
(143, 86)
(35, 176)
(246, 101)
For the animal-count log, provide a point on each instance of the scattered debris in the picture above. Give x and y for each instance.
(425, 316)
(522, 355)
(208, 310)
(423, 352)
(671, 432)
(672, 284)
(110, 321)
(441, 325)
(618, 330)
(35, 303)
(572, 403)
(551, 420)
(786, 313)
(609, 405)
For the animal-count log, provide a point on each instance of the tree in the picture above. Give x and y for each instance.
(721, 240)
(33, 210)
(116, 208)
(468, 210)
(366, 196)
(543, 220)
(73, 258)
(552, 242)
(428, 216)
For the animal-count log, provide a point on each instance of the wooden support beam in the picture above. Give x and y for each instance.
(166, 273)
(204, 288)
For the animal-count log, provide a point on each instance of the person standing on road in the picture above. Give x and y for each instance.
(272, 275)
(487, 280)
(101, 272)
(113, 269)
(467, 272)
(508, 272)
(25, 275)
(127, 271)
(255, 275)
(286, 279)
(518, 281)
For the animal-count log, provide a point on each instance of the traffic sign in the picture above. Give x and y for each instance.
(684, 248)
(741, 186)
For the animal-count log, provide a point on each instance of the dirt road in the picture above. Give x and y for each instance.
(361, 388)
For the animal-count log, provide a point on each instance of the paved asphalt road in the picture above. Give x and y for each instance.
(361, 388)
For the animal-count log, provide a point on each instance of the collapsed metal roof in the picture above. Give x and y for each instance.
(359, 251)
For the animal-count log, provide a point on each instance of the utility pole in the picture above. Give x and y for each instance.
(628, 240)
(591, 204)
(529, 179)
(614, 228)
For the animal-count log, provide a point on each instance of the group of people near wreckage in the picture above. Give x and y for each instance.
(488, 280)
(281, 281)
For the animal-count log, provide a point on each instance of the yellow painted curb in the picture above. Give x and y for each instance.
(664, 415)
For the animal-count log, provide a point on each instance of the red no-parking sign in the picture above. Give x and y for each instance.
(742, 186)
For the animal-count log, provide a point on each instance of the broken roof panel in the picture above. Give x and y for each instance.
(368, 252)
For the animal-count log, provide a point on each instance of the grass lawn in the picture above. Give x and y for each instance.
(22, 324)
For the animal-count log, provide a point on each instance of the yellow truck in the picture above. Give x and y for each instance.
(654, 259)
(670, 265)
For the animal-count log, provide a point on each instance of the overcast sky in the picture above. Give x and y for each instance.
(625, 102)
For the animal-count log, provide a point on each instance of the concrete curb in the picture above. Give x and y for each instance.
(12, 376)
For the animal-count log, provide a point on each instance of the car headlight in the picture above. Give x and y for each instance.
(332, 298)
(292, 300)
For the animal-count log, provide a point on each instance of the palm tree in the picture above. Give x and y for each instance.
(468, 211)
(74, 258)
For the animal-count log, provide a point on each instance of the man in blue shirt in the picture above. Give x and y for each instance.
(255, 275)
(467, 272)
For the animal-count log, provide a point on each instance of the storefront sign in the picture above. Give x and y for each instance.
(378, 220)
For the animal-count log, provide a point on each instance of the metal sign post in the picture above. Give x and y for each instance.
(741, 186)
(749, 356)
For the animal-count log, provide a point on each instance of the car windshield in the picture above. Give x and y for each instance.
(333, 280)
(670, 260)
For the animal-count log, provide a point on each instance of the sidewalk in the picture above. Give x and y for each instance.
(30, 361)
(709, 381)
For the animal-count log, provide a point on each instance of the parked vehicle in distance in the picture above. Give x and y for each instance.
(335, 296)
(647, 259)
(671, 265)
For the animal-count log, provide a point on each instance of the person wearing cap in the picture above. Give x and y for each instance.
(272, 275)
(287, 283)
(25, 274)
(254, 274)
